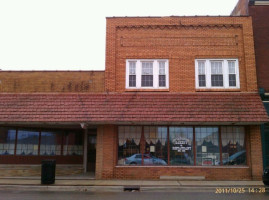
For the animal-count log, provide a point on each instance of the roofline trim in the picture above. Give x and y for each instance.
(178, 16)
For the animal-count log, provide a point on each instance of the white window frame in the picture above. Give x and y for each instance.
(155, 73)
(225, 70)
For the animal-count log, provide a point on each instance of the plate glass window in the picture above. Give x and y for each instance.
(7, 141)
(181, 145)
(27, 142)
(129, 145)
(233, 145)
(207, 146)
(156, 145)
(73, 143)
(50, 143)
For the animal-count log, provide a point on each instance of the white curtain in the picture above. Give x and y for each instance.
(131, 133)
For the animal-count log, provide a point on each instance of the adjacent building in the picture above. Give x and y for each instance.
(259, 11)
(178, 97)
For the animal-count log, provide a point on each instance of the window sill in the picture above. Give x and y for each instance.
(217, 90)
(146, 90)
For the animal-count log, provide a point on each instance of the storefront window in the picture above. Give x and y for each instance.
(27, 143)
(129, 145)
(73, 143)
(156, 145)
(51, 143)
(181, 145)
(7, 141)
(207, 146)
(233, 145)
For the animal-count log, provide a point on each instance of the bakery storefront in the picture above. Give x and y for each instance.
(133, 136)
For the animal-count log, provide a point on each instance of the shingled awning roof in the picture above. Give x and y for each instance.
(133, 108)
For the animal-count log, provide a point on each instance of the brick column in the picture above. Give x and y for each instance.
(256, 152)
(106, 152)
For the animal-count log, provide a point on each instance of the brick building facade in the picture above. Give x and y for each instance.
(180, 98)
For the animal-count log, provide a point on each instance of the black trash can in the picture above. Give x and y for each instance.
(48, 171)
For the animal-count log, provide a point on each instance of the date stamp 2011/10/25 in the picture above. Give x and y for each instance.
(240, 190)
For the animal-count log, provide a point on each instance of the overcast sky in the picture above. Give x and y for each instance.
(70, 34)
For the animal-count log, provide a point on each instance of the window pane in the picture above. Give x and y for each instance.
(162, 81)
(202, 81)
(147, 81)
(147, 68)
(201, 67)
(232, 80)
(207, 146)
(217, 80)
(233, 145)
(132, 80)
(132, 68)
(129, 145)
(156, 145)
(231, 65)
(181, 145)
(161, 68)
(216, 67)
(73, 143)
(51, 143)
(27, 143)
(7, 141)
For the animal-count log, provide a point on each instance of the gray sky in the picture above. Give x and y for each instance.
(70, 34)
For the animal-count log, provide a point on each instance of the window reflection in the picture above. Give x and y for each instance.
(156, 145)
(27, 143)
(7, 141)
(181, 145)
(233, 145)
(73, 143)
(51, 143)
(207, 146)
(129, 145)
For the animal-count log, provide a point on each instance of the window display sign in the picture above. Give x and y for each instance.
(180, 144)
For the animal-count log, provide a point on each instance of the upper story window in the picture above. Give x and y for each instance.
(217, 73)
(147, 74)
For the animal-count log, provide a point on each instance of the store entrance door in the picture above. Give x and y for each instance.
(91, 153)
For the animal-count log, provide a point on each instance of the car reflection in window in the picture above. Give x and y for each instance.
(238, 158)
(136, 159)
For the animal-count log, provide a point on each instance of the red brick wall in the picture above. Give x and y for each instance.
(51, 81)
(107, 168)
(260, 16)
(256, 152)
(241, 8)
(181, 40)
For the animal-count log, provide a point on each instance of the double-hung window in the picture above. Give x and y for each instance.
(217, 73)
(132, 74)
(147, 74)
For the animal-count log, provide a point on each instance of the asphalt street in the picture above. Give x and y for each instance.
(144, 195)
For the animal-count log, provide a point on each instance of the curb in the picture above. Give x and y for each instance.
(63, 188)
(94, 188)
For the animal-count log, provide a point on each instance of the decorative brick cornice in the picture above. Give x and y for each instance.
(194, 26)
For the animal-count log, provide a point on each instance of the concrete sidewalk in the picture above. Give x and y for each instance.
(34, 183)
